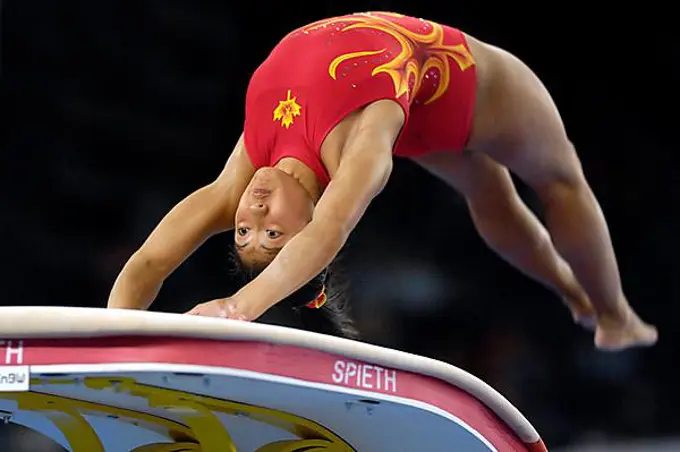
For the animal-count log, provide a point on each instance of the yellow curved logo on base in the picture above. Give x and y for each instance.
(195, 427)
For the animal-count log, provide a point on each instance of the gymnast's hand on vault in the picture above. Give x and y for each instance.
(222, 307)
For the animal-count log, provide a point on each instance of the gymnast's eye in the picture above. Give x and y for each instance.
(242, 231)
(273, 234)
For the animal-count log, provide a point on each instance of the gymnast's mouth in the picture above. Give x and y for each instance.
(261, 193)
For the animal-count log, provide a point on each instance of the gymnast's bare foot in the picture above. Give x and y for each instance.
(627, 332)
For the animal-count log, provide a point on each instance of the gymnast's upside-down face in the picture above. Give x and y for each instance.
(273, 208)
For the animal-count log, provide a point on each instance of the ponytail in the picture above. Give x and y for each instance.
(320, 306)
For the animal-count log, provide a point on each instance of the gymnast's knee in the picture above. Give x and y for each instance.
(561, 174)
(561, 189)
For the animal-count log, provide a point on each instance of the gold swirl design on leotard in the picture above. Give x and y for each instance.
(419, 53)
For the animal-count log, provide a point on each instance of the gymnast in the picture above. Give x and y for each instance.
(326, 113)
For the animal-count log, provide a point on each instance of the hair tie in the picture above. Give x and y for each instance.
(322, 276)
(319, 301)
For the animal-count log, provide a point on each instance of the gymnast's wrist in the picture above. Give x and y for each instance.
(250, 303)
(123, 303)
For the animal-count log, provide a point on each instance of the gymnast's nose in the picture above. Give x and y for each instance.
(258, 209)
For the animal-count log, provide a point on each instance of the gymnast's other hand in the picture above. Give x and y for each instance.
(226, 308)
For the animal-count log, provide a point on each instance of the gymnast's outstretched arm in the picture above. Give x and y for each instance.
(363, 172)
(206, 212)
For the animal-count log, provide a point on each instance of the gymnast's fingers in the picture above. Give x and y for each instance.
(197, 310)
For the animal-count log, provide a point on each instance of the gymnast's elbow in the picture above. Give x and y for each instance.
(146, 269)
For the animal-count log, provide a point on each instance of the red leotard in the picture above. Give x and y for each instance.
(320, 73)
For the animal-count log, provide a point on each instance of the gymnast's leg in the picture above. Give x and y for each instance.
(508, 226)
(526, 134)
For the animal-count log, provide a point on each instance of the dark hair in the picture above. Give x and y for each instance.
(332, 318)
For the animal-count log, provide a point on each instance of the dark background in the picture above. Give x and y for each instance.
(114, 111)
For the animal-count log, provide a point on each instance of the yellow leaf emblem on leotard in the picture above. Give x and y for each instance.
(287, 110)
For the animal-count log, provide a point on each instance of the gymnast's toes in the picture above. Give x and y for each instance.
(632, 333)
